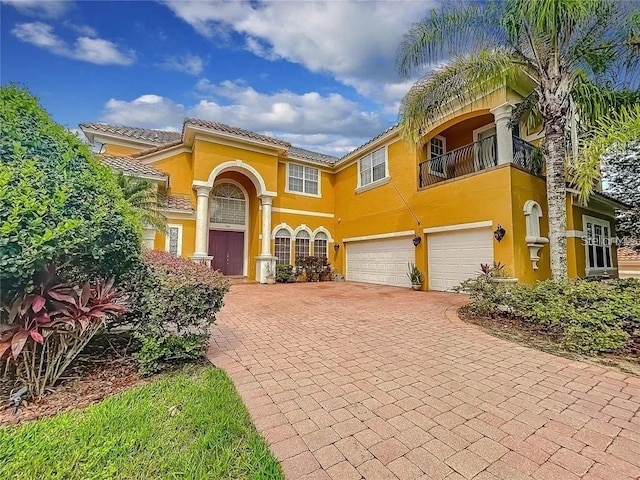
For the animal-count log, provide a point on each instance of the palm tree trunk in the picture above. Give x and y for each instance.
(556, 198)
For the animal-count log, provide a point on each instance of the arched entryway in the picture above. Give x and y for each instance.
(229, 198)
(228, 228)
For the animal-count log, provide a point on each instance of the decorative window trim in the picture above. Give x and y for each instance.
(593, 271)
(309, 241)
(287, 189)
(374, 183)
(323, 230)
(275, 239)
(279, 227)
(326, 240)
(229, 226)
(442, 174)
(167, 239)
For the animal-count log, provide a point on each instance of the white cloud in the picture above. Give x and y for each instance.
(191, 64)
(328, 123)
(356, 42)
(151, 111)
(284, 111)
(41, 8)
(85, 48)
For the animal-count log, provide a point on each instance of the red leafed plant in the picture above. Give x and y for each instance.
(44, 330)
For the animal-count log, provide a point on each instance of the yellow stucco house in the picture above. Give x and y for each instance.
(472, 194)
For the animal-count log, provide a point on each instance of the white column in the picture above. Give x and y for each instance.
(202, 225)
(266, 225)
(265, 262)
(148, 237)
(504, 136)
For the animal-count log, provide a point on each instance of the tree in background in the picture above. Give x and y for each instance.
(144, 199)
(613, 152)
(58, 204)
(582, 55)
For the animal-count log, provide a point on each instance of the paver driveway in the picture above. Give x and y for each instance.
(352, 381)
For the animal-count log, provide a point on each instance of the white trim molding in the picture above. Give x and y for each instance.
(240, 167)
(303, 227)
(459, 226)
(379, 236)
(323, 230)
(372, 185)
(167, 240)
(280, 226)
(302, 212)
(575, 234)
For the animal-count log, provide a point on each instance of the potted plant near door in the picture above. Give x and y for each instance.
(415, 276)
(271, 277)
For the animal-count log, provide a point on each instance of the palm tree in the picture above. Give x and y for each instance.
(569, 47)
(144, 199)
(615, 131)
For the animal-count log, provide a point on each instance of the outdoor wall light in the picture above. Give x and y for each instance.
(336, 246)
(499, 233)
(416, 240)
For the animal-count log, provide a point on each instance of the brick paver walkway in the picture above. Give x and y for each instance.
(351, 381)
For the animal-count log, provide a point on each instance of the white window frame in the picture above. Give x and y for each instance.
(326, 239)
(167, 240)
(374, 183)
(275, 239)
(596, 271)
(287, 188)
(442, 174)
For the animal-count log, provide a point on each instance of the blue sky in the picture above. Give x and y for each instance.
(318, 74)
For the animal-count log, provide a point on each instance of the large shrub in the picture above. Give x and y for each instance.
(58, 204)
(589, 316)
(172, 302)
(313, 269)
(42, 331)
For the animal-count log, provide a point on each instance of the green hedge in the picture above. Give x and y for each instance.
(58, 204)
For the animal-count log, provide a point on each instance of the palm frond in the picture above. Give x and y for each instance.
(449, 31)
(595, 101)
(461, 81)
(613, 131)
(144, 200)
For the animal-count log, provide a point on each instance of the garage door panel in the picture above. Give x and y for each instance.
(380, 261)
(456, 256)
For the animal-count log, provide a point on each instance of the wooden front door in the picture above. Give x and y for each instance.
(227, 249)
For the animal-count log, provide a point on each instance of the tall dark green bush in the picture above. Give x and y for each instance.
(58, 204)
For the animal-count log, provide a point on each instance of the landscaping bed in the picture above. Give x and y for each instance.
(189, 424)
(530, 335)
(104, 369)
(585, 319)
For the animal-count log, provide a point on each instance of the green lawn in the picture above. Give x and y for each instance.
(134, 436)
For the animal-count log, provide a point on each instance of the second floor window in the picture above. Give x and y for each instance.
(303, 179)
(373, 167)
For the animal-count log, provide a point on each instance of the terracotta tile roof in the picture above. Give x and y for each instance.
(176, 202)
(361, 147)
(131, 167)
(313, 156)
(221, 127)
(627, 254)
(135, 133)
(159, 148)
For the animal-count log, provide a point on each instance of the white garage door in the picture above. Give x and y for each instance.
(456, 255)
(380, 261)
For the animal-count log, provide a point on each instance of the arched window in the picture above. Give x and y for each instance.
(320, 245)
(228, 205)
(283, 247)
(303, 241)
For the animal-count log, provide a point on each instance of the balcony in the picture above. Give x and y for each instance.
(473, 158)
